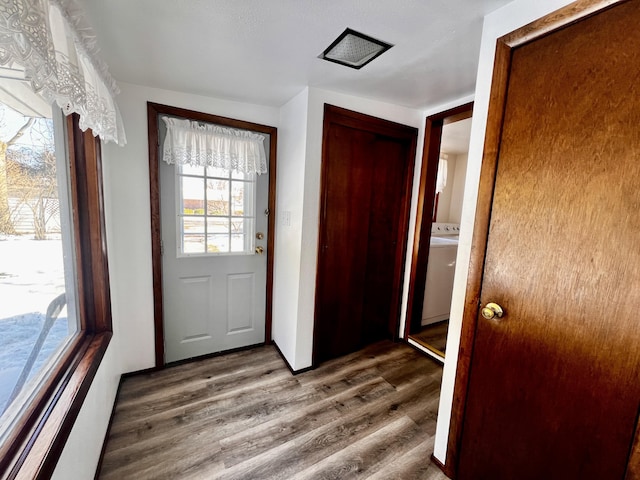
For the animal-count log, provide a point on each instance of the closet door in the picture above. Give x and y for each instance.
(366, 182)
(553, 389)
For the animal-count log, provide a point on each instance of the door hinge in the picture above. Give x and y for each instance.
(161, 248)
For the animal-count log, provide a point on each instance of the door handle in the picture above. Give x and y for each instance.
(492, 310)
(259, 250)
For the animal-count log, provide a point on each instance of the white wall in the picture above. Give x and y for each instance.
(292, 139)
(127, 211)
(496, 24)
(80, 456)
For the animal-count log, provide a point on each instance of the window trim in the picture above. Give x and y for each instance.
(32, 448)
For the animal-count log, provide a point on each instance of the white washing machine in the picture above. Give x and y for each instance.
(443, 251)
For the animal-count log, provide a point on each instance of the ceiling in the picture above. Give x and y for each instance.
(265, 51)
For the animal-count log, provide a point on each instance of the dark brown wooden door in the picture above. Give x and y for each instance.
(367, 163)
(554, 385)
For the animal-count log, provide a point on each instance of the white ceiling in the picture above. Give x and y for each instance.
(265, 51)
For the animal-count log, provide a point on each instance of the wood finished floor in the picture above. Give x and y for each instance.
(371, 414)
(434, 335)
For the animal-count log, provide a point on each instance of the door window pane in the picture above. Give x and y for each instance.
(216, 212)
(193, 234)
(242, 199)
(239, 242)
(242, 226)
(218, 226)
(217, 197)
(37, 264)
(218, 244)
(192, 190)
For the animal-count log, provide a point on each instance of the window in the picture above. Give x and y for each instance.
(38, 314)
(54, 313)
(216, 211)
(56, 190)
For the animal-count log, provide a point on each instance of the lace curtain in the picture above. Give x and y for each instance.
(192, 143)
(51, 43)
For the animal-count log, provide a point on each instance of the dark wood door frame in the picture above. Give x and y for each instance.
(154, 110)
(424, 217)
(362, 121)
(554, 21)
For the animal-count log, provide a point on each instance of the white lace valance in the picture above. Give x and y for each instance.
(51, 43)
(192, 143)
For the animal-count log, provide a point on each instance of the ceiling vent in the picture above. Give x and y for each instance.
(354, 49)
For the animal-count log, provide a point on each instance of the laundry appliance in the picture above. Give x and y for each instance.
(441, 267)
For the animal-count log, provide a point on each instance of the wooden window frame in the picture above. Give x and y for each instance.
(32, 448)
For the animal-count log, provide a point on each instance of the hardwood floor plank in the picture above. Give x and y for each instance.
(171, 460)
(224, 421)
(187, 406)
(411, 465)
(423, 412)
(434, 335)
(181, 374)
(246, 417)
(365, 363)
(353, 423)
(202, 379)
(367, 455)
(403, 376)
(249, 443)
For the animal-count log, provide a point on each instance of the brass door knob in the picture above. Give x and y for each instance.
(492, 310)
(259, 250)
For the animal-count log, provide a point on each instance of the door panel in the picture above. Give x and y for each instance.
(554, 386)
(193, 301)
(383, 238)
(342, 265)
(241, 302)
(212, 303)
(366, 167)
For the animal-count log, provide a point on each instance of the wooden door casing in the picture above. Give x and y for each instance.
(365, 196)
(427, 204)
(552, 391)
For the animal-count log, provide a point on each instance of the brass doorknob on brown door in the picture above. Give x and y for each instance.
(492, 310)
(259, 250)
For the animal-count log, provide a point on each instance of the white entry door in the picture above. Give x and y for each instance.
(214, 241)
